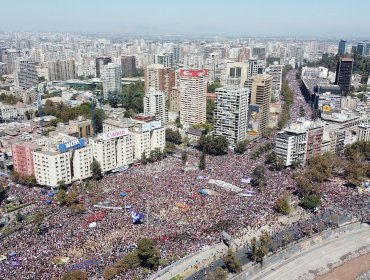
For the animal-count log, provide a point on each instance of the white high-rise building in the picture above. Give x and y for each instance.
(25, 74)
(193, 62)
(81, 162)
(52, 167)
(111, 77)
(236, 73)
(256, 66)
(291, 146)
(113, 149)
(148, 137)
(155, 104)
(193, 94)
(231, 113)
(276, 71)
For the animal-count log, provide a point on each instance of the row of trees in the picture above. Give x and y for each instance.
(154, 155)
(64, 113)
(131, 98)
(268, 146)
(9, 99)
(288, 101)
(27, 180)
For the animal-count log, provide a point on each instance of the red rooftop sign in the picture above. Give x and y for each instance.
(193, 73)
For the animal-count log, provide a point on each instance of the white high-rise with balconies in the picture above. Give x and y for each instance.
(231, 113)
(111, 77)
(155, 104)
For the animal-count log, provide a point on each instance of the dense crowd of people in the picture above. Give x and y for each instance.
(298, 101)
(177, 217)
(180, 219)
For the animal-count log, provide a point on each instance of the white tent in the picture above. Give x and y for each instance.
(92, 225)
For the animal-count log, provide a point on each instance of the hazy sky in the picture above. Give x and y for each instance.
(329, 18)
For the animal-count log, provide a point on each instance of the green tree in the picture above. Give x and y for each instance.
(212, 87)
(283, 204)
(132, 97)
(98, 120)
(258, 176)
(178, 122)
(75, 275)
(241, 147)
(355, 173)
(3, 191)
(110, 272)
(254, 248)
(210, 110)
(310, 202)
(170, 147)
(144, 159)
(148, 254)
(218, 274)
(275, 162)
(232, 263)
(38, 219)
(213, 145)
(302, 112)
(184, 157)
(173, 136)
(96, 170)
(305, 187)
(62, 185)
(61, 197)
(55, 122)
(202, 161)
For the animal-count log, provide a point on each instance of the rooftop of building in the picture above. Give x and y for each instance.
(311, 82)
(27, 144)
(123, 123)
(48, 152)
(340, 117)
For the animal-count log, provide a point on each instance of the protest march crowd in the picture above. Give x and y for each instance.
(176, 215)
(180, 219)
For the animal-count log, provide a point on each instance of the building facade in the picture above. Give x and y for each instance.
(193, 93)
(261, 89)
(342, 46)
(52, 167)
(62, 70)
(111, 77)
(25, 74)
(290, 146)
(344, 74)
(231, 113)
(128, 64)
(159, 78)
(100, 62)
(155, 104)
(22, 154)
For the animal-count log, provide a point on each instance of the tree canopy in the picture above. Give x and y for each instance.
(173, 136)
(258, 176)
(213, 145)
(148, 253)
(96, 169)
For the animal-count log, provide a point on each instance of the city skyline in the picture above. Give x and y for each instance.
(283, 18)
